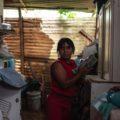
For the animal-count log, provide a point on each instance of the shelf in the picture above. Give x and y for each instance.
(95, 79)
(6, 32)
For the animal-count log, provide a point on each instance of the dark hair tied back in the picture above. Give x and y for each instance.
(68, 41)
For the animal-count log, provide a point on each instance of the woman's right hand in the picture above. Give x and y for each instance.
(84, 70)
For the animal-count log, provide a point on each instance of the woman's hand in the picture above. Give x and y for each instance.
(84, 70)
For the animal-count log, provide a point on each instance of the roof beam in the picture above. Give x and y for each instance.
(94, 12)
(23, 5)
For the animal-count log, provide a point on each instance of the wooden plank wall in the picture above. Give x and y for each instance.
(41, 36)
(37, 48)
(36, 43)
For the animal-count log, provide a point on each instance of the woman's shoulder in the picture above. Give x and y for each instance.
(59, 60)
(58, 63)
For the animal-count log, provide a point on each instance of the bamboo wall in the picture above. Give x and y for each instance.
(41, 36)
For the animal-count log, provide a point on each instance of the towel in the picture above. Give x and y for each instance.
(104, 106)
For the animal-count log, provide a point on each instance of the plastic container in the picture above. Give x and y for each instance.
(114, 98)
(5, 26)
(34, 100)
(99, 4)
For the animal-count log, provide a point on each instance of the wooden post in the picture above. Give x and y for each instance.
(1, 18)
(21, 41)
(97, 27)
(1, 10)
(43, 91)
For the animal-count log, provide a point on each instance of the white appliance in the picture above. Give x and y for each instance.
(109, 39)
(10, 102)
(108, 56)
(94, 87)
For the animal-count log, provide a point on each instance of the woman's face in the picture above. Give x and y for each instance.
(65, 51)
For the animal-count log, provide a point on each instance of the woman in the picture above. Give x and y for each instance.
(63, 82)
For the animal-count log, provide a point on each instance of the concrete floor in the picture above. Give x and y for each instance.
(41, 114)
(29, 115)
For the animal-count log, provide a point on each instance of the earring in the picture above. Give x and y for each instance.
(58, 54)
(72, 55)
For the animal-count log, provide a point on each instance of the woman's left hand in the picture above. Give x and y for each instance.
(84, 70)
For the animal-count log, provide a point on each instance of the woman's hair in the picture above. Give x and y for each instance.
(68, 41)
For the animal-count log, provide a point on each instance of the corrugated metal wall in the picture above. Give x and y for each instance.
(58, 28)
(41, 36)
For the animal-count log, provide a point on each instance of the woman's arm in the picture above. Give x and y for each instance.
(60, 75)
